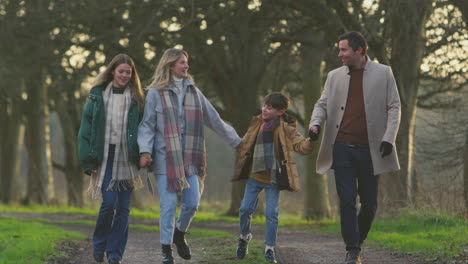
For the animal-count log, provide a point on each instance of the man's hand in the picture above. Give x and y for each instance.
(145, 160)
(314, 132)
(385, 148)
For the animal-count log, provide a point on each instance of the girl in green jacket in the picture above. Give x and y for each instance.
(108, 151)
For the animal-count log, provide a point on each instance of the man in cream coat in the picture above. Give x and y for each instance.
(361, 105)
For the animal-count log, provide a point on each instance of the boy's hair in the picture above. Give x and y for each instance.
(276, 100)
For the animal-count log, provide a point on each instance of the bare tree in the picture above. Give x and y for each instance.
(465, 172)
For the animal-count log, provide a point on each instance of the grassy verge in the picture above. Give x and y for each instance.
(151, 213)
(436, 236)
(25, 241)
(428, 235)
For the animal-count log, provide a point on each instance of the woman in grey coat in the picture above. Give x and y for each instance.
(172, 133)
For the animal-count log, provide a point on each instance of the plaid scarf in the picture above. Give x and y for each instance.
(264, 151)
(190, 159)
(124, 173)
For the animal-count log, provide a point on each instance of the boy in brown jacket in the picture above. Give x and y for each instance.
(267, 162)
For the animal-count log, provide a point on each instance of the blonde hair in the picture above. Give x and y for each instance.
(163, 75)
(134, 83)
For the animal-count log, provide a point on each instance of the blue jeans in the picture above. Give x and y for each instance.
(168, 203)
(249, 205)
(354, 174)
(111, 231)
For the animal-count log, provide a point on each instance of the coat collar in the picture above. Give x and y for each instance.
(367, 67)
(186, 83)
(285, 119)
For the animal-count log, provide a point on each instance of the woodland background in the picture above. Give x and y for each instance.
(50, 51)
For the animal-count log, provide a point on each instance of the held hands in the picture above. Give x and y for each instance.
(385, 148)
(314, 132)
(239, 147)
(91, 172)
(145, 160)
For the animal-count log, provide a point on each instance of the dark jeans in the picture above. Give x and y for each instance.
(111, 232)
(354, 175)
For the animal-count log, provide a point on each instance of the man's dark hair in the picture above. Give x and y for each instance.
(276, 100)
(355, 40)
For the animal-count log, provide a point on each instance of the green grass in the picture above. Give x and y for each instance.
(425, 234)
(151, 213)
(26, 241)
(15, 208)
(435, 235)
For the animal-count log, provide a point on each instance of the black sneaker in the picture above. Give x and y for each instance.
(183, 248)
(98, 255)
(114, 261)
(242, 248)
(353, 257)
(270, 256)
(167, 257)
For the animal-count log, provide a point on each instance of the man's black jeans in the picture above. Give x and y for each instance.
(354, 175)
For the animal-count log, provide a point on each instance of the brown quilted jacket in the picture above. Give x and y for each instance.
(290, 141)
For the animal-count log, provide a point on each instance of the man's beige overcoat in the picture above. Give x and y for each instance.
(382, 106)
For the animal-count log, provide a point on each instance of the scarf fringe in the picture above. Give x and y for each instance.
(191, 169)
(183, 183)
(177, 185)
(125, 185)
(94, 188)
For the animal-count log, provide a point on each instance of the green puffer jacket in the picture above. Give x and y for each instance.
(92, 129)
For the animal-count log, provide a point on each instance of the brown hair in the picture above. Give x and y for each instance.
(355, 40)
(277, 100)
(134, 83)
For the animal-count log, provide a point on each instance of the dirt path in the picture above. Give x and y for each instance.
(294, 247)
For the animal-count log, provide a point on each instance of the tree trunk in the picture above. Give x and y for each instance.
(407, 20)
(72, 170)
(465, 173)
(10, 143)
(463, 6)
(40, 177)
(316, 204)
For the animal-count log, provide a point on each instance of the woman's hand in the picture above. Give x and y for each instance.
(145, 160)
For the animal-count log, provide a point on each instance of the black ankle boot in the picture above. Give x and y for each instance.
(167, 254)
(182, 247)
(98, 255)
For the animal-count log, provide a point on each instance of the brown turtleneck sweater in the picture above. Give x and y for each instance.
(353, 129)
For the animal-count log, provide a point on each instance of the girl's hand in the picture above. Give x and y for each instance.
(145, 160)
(91, 172)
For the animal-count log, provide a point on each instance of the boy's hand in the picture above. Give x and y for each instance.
(314, 132)
(145, 160)
(239, 147)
